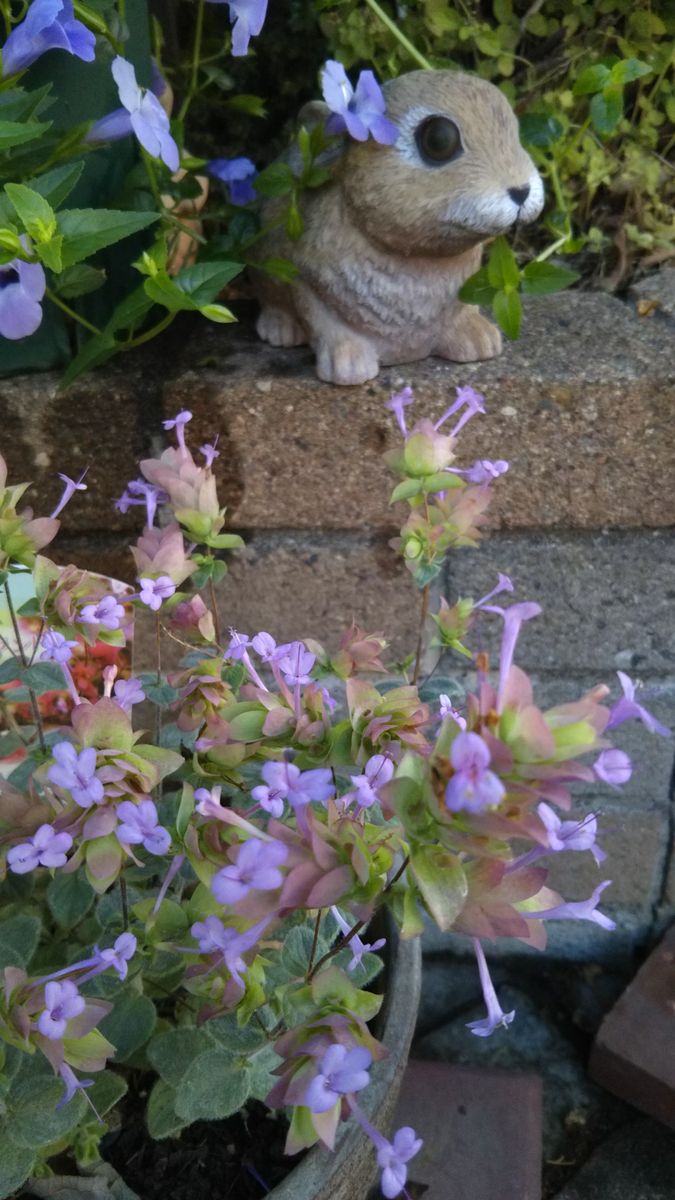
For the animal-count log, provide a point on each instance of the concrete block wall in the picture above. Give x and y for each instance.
(582, 407)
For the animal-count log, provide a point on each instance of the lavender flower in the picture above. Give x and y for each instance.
(285, 781)
(46, 848)
(248, 18)
(513, 619)
(76, 773)
(72, 1084)
(495, 1014)
(484, 470)
(178, 423)
(107, 612)
(238, 650)
(378, 770)
(570, 835)
(446, 710)
(22, 286)
(393, 1158)
(397, 403)
(214, 937)
(357, 947)
(613, 767)
(155, 591)
(115, 957)
(340, 1071)
(70, 487)
(576, 910)
(256, 869)
(296, 664)
(62, 1002)
(210, 933)
(141, 114)
(56, 648)
(473, 787)
(139, 491)
(140, 826)
(48, 25)
(210, 452)
(237, 174)
(628, 709)
(360, 111)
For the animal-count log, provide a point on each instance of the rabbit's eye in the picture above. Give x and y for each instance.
(438, 140)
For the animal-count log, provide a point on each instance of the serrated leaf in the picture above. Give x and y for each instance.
(87, 230)
(35, 213)
(161, 1118)
(211, 1089)
(19, 937)
(17, 133)
(205, 280)
(233, 1038)
(172, 1052)
(57, 184)
(79, 280)
(69, 898)
(543, 278)
(296, 950)
(508, 310)
(130, 1023)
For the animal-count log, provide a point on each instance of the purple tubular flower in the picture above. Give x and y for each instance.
(393, 1159)
(117, 956)
(628, 709)
(139, 491)
(141, 114)
(248, 18)
(446, 710)
(72, 1084)
(495, 1014)
(76, 773)
(70, 487)
(22, 286)
(340, 1071)
(56, 648)
(62, 1002)
(357, 947)
(238, 650)
(576, 910)
(570, 835)
(238, 175)
(466, 396)
(140, 827)
(265, 646)
(484, 470)
(48, 25)
(210, 452)
(107, 612)
(514, 617)
(46, 848)
(178, 423)
(504, 584)
(128, 692)
(473, 787)
(155, 591)
(398, 403)
(378, 770)
(360, 111)
(296, 664)
(213, 937)
(256, 869)
(613, 767)
(210, 933)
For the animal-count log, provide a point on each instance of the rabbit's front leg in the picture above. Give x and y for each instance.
(467, 336)
(342, 355)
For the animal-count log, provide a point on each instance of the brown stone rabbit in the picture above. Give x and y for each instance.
(389, 240)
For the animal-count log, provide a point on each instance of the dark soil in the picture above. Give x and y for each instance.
(241, 1158)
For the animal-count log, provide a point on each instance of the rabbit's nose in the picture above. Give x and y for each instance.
(519, 194)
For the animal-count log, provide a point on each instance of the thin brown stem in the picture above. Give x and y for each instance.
(346, 939)
(315, 940)
(35, 708)
(214, 608)
(420, 636)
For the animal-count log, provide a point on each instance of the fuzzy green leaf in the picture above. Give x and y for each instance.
(130, 1023)
(16, 1164)
(69, 898)
(161, 1118)
(19, 937)
(211, 1088)
(172, 1052)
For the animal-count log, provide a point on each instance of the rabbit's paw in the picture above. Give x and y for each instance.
(468, 337)
(279, 328)
(348, 361)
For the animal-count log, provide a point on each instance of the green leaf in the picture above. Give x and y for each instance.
(442, 882)
(592, 79)
(405, 490)
(172, 1052)
(33, 1119)
(165, 291)
(628, 70)
(79, 281)
(19, 937)
(161, 1118)
(211, 1089)
(35, 213)
(50, 253)
(93, 354)
(108, 1089)
(275, 180)
(17, 133)
(540, 129)
(502, 268)
(606, 110)
(477, 289)
(205, 280)
(43, 677)
(87, 230)
(508, 310)
(55, 185)
(16, 1164)
(297, 949)
(69, 898)
(279, 268)
(235, 1039)
(130, 1023)
(10, 670)
(543, 278)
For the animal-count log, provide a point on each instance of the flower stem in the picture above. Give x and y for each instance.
(196, 56)
(315, 940)
(399, 35)
(70, 312)
(149, 333)
(125, 903)
(420, 636)
(214, 606)
(347, 937)
(35, 708)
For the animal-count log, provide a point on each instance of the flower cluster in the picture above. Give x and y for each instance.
(287, 795)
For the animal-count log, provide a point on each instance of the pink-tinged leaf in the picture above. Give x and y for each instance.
(301, 1133)
(165, 762)
(42, 531)
(89, 1053)
(518, 690)
(442, 882)
(103, 859)
(103, 725)
(297, 885)
(330, 888)
(362, 698)
(324, 855)
(87, 1020)
(530, 738)
(326, 1124)
(278, 722)
(100, 824)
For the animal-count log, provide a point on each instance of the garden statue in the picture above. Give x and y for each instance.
(398, 227)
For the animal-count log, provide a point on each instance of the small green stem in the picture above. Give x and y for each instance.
(551, 249)
(400, 37)
(420, 636)
(22, 655)
(70, 312)
(152, 180)
(149, 333)
(196, 55)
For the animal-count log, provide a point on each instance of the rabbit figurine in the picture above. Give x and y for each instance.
(391, 237)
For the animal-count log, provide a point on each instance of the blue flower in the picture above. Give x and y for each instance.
(237, 174)
(360, 111)
(248, 18)
(48, 25)
(142, 114)
(22, 286)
